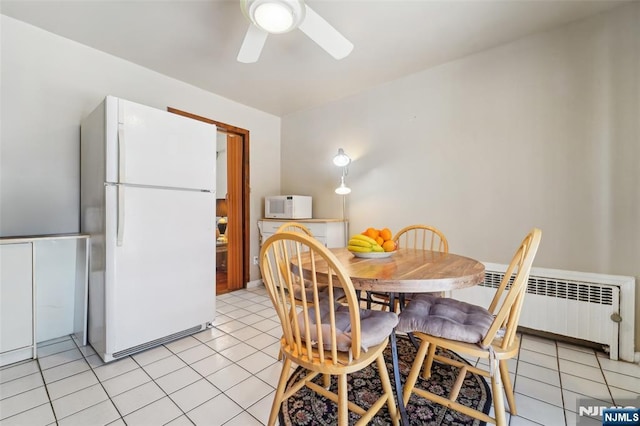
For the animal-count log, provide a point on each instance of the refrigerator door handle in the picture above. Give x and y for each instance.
(121, 156)
(120, 230)
(121, 179)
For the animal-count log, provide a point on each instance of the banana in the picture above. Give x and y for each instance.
(358, 242)
(359, 249)
(364, 238)
(377, 248)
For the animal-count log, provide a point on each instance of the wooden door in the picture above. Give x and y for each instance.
(235, 212)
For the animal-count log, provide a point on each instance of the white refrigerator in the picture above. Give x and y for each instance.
(147, 198)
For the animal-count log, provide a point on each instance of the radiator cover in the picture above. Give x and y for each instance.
(592, 307)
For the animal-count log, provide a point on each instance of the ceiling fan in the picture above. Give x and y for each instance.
(281, 16)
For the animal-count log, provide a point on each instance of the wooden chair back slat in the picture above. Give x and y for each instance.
(423, 237)
(294, 227)
(278, 257)
(508, 300)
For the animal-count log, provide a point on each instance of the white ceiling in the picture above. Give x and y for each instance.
(197, 41)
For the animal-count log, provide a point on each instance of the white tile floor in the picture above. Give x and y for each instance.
(226, 376)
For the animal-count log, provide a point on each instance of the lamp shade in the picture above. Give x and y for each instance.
(221, 207)
(343, 189)
(341, 159)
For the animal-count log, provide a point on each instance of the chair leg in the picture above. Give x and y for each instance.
(343, 399)
(277, 399)
(415, 371)
(386, 387)
(426, 371)
(326, 380)
(498, 396)
(508, 388)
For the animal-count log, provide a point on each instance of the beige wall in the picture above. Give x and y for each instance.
(49, 84)
(544, 131)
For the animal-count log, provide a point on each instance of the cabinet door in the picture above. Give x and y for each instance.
(16, 297)
(336, 234)
(330, 233)
(55, 277)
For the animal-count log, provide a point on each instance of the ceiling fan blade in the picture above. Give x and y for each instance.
(320, 31)
(252, 45)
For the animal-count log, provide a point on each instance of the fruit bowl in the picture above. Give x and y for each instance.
(373, 254)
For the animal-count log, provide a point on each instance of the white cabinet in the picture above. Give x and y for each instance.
(16, 301)
(43, 291)
(330, 232)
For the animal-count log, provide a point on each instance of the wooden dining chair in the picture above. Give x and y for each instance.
(294, 227)
(324, 337)
(472, 331)
(423, 237)
(298, 285)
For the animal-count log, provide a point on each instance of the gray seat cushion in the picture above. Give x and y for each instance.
(447, 318)
(375, 326)
(308, 289)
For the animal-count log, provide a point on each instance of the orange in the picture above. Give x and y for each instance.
(372, 232)
(385, 234)
(379, 240)
(389, 245)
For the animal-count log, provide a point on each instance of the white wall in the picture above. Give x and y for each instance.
(49, 84)
(544, 131)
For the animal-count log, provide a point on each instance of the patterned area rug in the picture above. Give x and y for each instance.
(308, 408)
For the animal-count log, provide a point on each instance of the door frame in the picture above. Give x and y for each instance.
(238, 203)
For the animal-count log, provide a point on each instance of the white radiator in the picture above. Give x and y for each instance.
(592, 307)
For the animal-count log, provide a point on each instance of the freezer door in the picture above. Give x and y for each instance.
(157, 148)
(160, 280)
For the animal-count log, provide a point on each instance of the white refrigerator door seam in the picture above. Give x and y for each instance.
(166, 188)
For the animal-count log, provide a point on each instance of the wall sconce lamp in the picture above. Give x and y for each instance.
(342, 160)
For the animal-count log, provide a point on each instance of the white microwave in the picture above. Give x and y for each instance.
(287, 207)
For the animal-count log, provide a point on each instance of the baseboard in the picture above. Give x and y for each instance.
(255, 284)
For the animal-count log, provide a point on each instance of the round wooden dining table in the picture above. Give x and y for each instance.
(404, 271)
(408, 271)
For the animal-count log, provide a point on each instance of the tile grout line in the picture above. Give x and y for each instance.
(222, 392)
(564, 408)
(160, 387)
(46, 389)
(515, 377)
(101, 385)
(606, 382)
(49, 402)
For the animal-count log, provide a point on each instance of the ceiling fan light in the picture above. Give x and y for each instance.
(273, 17)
